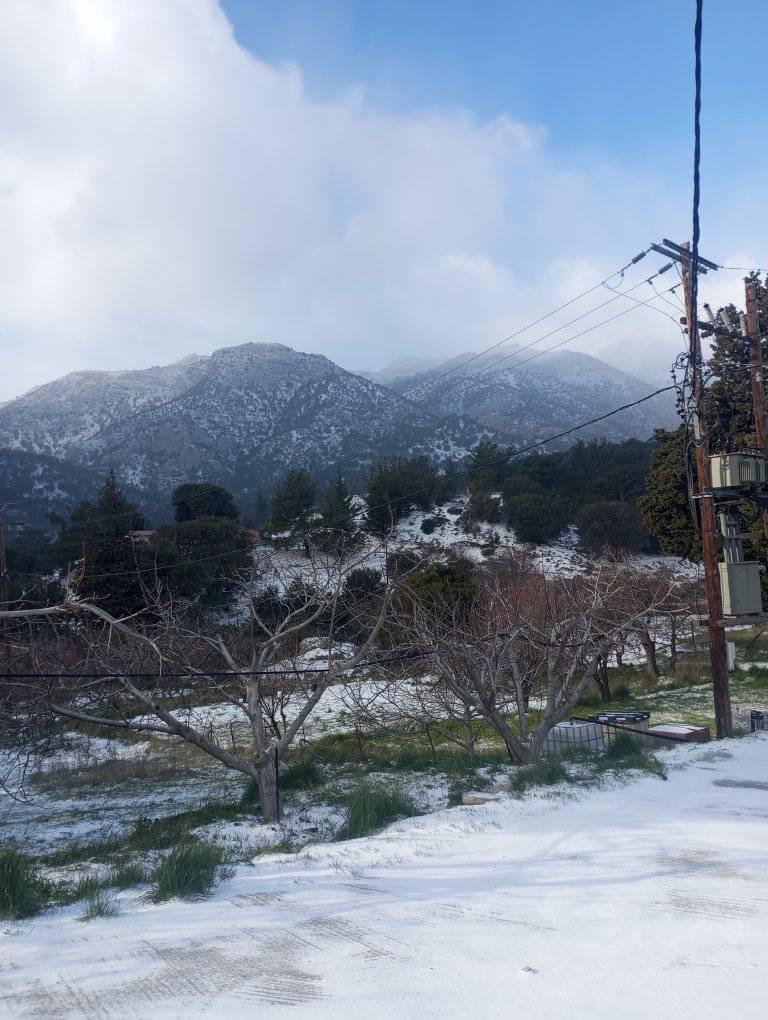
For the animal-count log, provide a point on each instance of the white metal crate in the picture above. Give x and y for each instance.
(566, 735)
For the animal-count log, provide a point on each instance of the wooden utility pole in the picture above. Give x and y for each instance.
(756, 373)
(4, 586)
(708, 521)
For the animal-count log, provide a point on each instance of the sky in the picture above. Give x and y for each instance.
(361, 179)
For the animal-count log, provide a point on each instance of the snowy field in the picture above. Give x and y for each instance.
(648, 899)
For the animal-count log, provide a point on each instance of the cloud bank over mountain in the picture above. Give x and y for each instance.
(163, 190)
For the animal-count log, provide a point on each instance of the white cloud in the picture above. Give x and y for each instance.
(163, 192)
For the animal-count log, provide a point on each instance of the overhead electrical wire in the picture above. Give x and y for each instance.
(542, 318)
(602, 283)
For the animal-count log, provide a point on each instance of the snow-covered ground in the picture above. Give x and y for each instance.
(643, 900)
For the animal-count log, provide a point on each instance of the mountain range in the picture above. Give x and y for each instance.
(243, 415)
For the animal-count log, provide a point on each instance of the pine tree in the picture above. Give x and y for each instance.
(336, 508)
(96, 534)
(487, 467)
(729, 415)
(664, 505)
(294, 501)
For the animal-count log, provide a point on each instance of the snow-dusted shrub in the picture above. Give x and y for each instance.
(22, 892)
(192, 869)
(371, 806)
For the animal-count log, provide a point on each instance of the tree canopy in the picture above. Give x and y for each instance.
(201, 499)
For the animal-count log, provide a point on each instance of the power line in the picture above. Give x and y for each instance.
(535, 322)
(694, 267)
(520, 350)
(578, 336)
(218, 674)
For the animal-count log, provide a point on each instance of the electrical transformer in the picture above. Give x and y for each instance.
(738, 471)
(740, 585)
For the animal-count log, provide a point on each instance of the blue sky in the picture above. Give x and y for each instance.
(612, 79)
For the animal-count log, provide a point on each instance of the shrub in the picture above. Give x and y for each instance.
(546, 772)
(535, 518)
(302, 774)
(481, 506)
(192, 869)
(22, 892)
(101, 903)
(428, 525)
(372, 806)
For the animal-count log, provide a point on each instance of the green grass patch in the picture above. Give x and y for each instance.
(23, 893)
(128, 875)
(371, 806)
(101, 848)
(190, 870)
(148, 834)
(624, 753)
(101, 903)
(162, 833)
(546, 772)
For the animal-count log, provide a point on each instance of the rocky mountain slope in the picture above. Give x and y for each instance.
(34, 484)
(533, 397)
(239, 417)
(244, 414)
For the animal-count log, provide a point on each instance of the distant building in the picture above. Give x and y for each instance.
(142, 537)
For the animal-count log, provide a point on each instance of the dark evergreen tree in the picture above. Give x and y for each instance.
(487, 467)
(336, 507)
(611, 525)
(398, 486)
(199, 559)
(195, 500)
(535, 518)
(294, 501)
(261, 511)
(664, 505)
(96, 533)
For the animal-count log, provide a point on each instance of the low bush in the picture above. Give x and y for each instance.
(23, 893)
(302, 774)
(372, 806)
(100, 903)
(191, 869)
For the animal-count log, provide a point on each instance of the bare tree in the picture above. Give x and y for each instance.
(147, 674)
(523, 650)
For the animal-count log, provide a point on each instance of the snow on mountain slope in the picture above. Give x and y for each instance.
(67, 416)
(241, 417)
(533, 396)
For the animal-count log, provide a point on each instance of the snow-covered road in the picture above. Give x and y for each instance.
(647, 900)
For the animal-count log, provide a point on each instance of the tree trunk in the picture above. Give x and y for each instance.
(672, 644)
(601, 677)
(269, 795)
(470, 736)
(649, 647)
